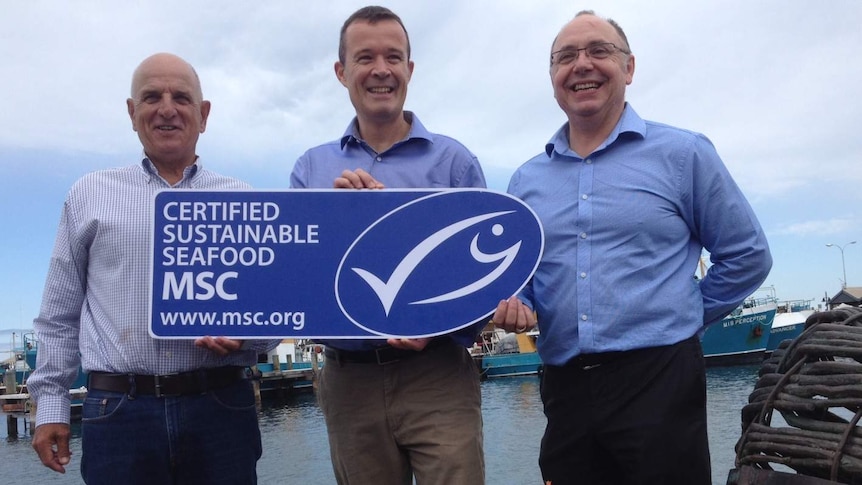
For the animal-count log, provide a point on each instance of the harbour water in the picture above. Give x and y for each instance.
(295, 449)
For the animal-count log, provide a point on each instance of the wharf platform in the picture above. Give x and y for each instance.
(19, 406)
(271, 380)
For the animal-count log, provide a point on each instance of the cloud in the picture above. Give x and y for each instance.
(820, 228)
(772, 83)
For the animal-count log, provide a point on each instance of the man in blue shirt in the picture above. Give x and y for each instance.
(404, 407)
(627, 207)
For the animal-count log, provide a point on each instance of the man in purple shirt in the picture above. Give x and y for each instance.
(401, 408)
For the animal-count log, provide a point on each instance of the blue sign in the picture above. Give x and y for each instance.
(336, 263)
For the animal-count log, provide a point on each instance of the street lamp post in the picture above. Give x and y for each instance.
(843, 267)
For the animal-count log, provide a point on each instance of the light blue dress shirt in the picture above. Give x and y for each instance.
(625, 228)
(422, 160)
(96, 296)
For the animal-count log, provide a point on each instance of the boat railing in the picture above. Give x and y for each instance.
(790, 306)
(752, 302)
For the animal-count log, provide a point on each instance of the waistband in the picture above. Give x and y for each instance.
(382, 355)
(591, 361)
(184, 383)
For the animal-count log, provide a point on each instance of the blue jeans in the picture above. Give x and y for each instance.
(210, 438)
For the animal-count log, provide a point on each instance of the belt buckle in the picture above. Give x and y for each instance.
(590, 367)
(157, 385)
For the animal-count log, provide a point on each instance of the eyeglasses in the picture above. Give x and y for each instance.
(602, 50)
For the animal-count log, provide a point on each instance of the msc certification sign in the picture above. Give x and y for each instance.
(335, 263)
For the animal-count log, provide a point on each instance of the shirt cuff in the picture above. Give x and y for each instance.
(53, 409)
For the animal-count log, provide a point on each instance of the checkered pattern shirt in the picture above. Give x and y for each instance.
(95, 302)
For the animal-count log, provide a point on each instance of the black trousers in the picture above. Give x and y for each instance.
(635, 417)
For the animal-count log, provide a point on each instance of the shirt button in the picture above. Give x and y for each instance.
(583, 275)
(588, 161)
(379, 159)
(584, 317)
(583, 235)
(585, 197)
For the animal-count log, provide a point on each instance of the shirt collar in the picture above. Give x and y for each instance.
(189, 173)
(629, 122)
(417, 131)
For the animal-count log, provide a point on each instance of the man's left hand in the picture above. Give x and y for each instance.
(416, 344)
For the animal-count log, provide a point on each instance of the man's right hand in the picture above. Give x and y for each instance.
(51, 442)
(356, 179)
(513, 315)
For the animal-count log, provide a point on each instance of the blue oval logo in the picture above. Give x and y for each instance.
(439, 263)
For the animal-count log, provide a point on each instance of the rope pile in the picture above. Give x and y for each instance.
(815, 382)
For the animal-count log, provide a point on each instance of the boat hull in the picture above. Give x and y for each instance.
(787, 326)
(508, 365)
(738, 340)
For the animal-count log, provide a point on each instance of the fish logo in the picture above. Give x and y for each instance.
(438, 263)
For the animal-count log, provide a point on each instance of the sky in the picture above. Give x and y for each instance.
(773, 84)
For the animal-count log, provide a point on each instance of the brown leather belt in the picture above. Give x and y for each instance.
(381, 356)
(184, 383)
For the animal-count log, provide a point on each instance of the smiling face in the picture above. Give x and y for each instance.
(376, 70)
(167, 110)
(591, 91)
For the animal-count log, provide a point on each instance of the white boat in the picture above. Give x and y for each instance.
(789, 322)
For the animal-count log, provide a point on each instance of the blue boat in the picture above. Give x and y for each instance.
(789, 322)
(30, 349)
(741, 337)
(500, 354)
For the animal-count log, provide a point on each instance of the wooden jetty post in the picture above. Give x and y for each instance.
(15, 406)
(11, 388)
(11, 426)
(315, 367)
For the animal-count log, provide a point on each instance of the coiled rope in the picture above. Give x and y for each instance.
(807, 380)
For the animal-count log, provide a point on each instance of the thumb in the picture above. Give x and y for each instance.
(64, 456)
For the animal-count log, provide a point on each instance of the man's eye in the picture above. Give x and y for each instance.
(600, 51)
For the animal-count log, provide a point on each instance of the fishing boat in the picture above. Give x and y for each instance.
(789, 321)
(741, 337)
(500, 354)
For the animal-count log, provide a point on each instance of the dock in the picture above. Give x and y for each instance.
(271, 380)
(277, 379)
(18, 405)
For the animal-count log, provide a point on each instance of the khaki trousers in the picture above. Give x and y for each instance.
(416, 417)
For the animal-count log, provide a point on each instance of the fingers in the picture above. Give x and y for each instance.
(219, 345)
(513, 315)
(356, 179)
(499, 318)
(51, 442)
(416, 344)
